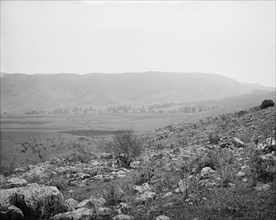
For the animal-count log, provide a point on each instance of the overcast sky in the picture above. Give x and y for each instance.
(235, 39)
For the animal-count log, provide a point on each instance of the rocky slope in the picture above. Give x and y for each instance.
(218, 168)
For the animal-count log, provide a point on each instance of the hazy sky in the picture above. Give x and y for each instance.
(235, 39)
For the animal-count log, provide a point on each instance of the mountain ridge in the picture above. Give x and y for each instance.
(21, 92)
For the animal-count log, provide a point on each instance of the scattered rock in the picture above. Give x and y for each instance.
(17, 182)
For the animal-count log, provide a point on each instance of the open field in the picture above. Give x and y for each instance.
(27, 139)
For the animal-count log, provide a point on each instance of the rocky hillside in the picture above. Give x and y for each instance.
(217, 168)
(22, 92)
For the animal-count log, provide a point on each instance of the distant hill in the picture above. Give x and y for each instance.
(22, 92)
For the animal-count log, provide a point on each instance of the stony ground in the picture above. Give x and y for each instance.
(217, 168)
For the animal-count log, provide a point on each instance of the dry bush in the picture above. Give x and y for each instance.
(126, 146)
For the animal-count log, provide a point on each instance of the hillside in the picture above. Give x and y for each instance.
(218, 168)
(22, 92)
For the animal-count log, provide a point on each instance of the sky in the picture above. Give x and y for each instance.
(235, 39)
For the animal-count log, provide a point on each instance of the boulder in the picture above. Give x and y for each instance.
(238, 143)
(11, 213)
(33, 200)
(2, 179)
(106, 156)
(176, 151)
(98, 202)
(91, 203)
(17, 182)
(135, 164)
(262, 187)
(167, 194)
(87, 203)
(103, 213)
(145, 197)
(185, 184)
(78, 214)
(121, 172)
(144, 187)
(162, 217)
(122, 217)
(84, 175)
(207, 172)
(71, 203)
(225, 145)
(125, 207)
(240, 174)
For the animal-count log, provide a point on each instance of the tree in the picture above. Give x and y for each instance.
(266, 103)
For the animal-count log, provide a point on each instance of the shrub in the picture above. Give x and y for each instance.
(8, 169)
(266, 103)
(113, 194)
(126, 146)
(213, 139)
(59, 181)
(240, 113)
(227, 175)
(261, 169)
(143, 176)
(79, 155)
